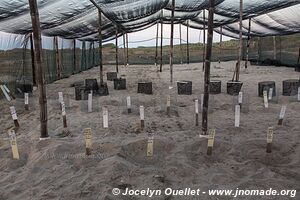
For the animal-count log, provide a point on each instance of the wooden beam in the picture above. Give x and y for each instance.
(172, 41)
(220, 45)
(156, 43)
(32, 60)
(210, 32)
(161, 41)
(57, 58)
(74, 57)
(124, 50)
(117, 51)
(204, 38)
(238, 66)
(39, 67)
(100, 45)
(180, 38)
(187, 43)
(248, 43)
(127, 50)
(274, 48)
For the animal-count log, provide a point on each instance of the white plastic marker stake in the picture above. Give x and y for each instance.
(150, 146)
(9, 93)
(26, 101)
(105, 117)
(211, 140)
(142, 116)
(128, 101)
(14, 116)
(298, 93)
(240, 100)
(63, 113)
(202, 99)
(88, 141)
(281, 115)
(90, 102)
(197, 111)
(13, 144)
(168, 105)
(271, 94)
(5, 93)
(270, 139)
(237, 116)
(60, 97)
(266, 102)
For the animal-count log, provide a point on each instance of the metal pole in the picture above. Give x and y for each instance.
(156, 45)
(187, 43)
(100, 46)
(171, 41)
(238, 66)
(248, 43)
(204, 35)
(117, 51)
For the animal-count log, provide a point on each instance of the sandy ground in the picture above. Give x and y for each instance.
(58, 168)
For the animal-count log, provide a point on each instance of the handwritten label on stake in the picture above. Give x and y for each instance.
(14, 116)
(211, 140)
(26, 101)
(237, 116)
(270, 139)
(281, 115)
(271, 94)
(90, 103)
(197, 111)
(60, 97)
(128, 100)
(63, 113)
(9, 93)
(240, 101)
(266, 103)
(142, 116)
(150, 146)
(105, 117)
(5, 93)
(88, 141)
(13, 144)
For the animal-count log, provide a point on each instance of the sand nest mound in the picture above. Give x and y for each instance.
(59, 169)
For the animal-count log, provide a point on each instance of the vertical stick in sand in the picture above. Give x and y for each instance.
(210, 143)
(240, 99)
(281, 115)
(168, 105)
(269, 139)
(60, 97)
(64, 115)
(13, 144)
(88, 141)
(150, 146)
(26, 101)
(128, 101)
(298, 94)
(270, 94)
(197, 111)
(14, 116)
(5, 93)
(105, 117)
(237, 116)
(266, 102)
(90, 103)
(142, 116)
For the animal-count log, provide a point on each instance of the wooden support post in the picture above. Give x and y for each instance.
(274, 48)
(187, 43)
(14, 116)
(161, 42)
(117, 51)
(270, 139)
(220, 45)
(26, 101)
(197, 111)
(281, 115)
(32, 60)
(127, 50)
(57, 58)
(238, 65)
(248, 43)
(74, 57)
(204, 38)
(88, 141)
(207, 66)
(124, 50)
(128, 102)
(39, 67)
(142, 117)
(100, 46)
(180, 42)
(172, 41)
(258, 50)
(156, 43)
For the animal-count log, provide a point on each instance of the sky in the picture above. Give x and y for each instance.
(138, 38)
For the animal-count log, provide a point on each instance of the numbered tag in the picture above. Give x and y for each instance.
(105, 117)
(266, 103)
(150, 146)
(211, 138)
(90, 102)
(282, 112)
(128, 100)
(196, 106)
(237, 116)
(270, 135)
(142, 113)
(240, 101)
(88, 140)
(63, 109)
(26, 98)
(13, 113)
(168, 101)
(271, 94)
(13, 143)
(60, 97)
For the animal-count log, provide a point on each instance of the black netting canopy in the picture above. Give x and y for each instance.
(78, 18)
